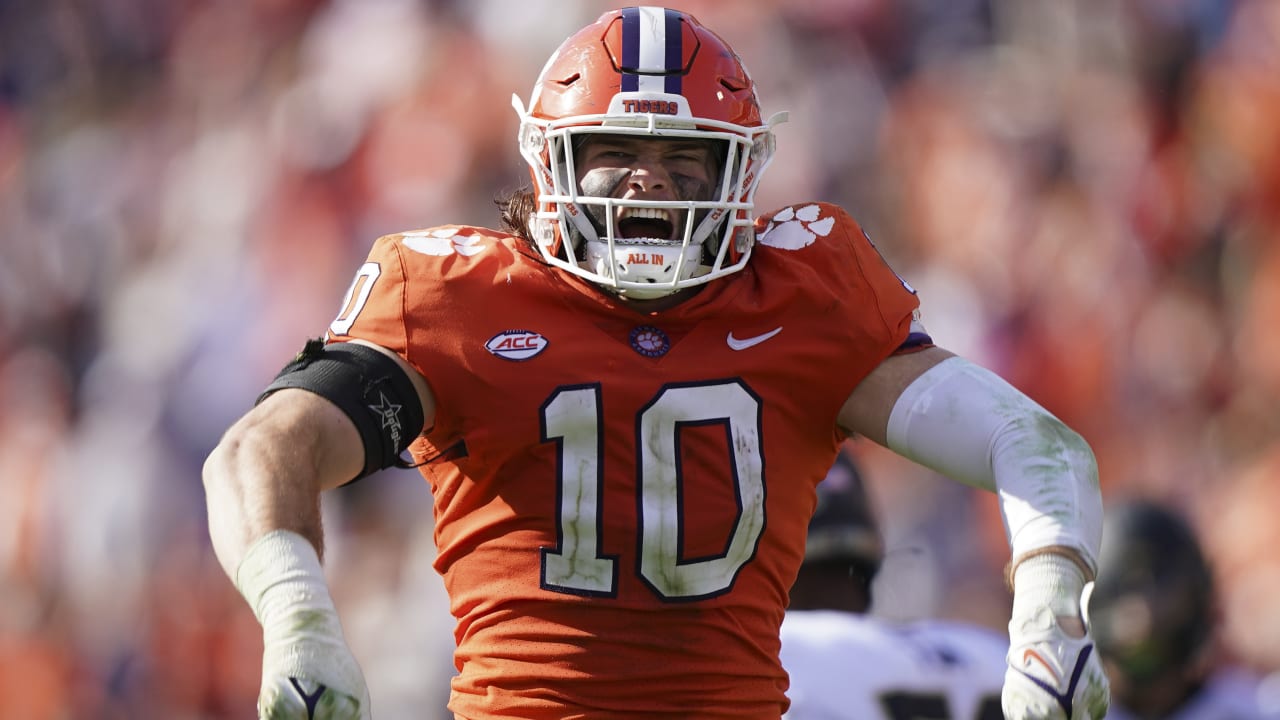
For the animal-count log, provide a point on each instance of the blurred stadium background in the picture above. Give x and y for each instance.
(1086, 193)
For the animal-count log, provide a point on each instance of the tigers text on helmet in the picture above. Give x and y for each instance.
(644, 72)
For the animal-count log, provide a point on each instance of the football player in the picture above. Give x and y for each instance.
(1153, 612)
(845, 664)
(623, 400)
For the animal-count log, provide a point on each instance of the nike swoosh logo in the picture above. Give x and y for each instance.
(744, 343)
(1032, 654)
(1064, 698)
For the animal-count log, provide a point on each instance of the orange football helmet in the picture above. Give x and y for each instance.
(652, 72)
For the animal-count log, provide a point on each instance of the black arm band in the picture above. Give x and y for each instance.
(369, 387)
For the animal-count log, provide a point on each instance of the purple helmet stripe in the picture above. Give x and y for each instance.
(630, 49)
(652, 50)
(675, 52)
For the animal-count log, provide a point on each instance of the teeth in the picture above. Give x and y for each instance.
(646, 213)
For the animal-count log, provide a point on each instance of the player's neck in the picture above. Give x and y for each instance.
(666, 302)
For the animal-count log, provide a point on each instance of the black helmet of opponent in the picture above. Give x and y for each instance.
(844, 548)
(1153, 603)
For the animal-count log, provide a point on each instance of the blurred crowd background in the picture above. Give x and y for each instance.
(1086, 193)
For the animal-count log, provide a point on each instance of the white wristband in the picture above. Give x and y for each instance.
(305, 659)
(281, 578)
(1048, 580)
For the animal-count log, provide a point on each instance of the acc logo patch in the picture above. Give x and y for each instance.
(516, 344)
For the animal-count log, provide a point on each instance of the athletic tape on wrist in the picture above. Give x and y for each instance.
(280, 574)
(1048, 580)
(1069, 553)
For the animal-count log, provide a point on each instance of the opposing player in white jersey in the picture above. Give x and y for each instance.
(1153, 613)
(847, 665)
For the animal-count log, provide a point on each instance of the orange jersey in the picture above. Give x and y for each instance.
(621, 499)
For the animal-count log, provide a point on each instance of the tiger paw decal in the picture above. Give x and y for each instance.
(442, 241)
(792, 228)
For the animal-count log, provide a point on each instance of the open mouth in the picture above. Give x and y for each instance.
(650, 223)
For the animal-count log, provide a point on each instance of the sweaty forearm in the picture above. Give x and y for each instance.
(268, 471)
(263, 485)
(252, 487)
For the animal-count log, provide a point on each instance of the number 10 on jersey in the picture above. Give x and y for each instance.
(572, 418)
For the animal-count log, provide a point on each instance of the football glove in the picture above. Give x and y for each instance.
(1054, 671)
(308, 672)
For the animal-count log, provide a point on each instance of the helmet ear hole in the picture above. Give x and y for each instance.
(532, 140)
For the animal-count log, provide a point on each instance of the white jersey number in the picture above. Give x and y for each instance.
(357, 296)
(572, 417)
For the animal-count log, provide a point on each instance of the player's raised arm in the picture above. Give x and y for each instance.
(967, 423)
(313, 429)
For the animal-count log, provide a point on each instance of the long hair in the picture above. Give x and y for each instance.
(515, 208)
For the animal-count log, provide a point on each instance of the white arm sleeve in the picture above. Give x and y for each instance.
(969, 424)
